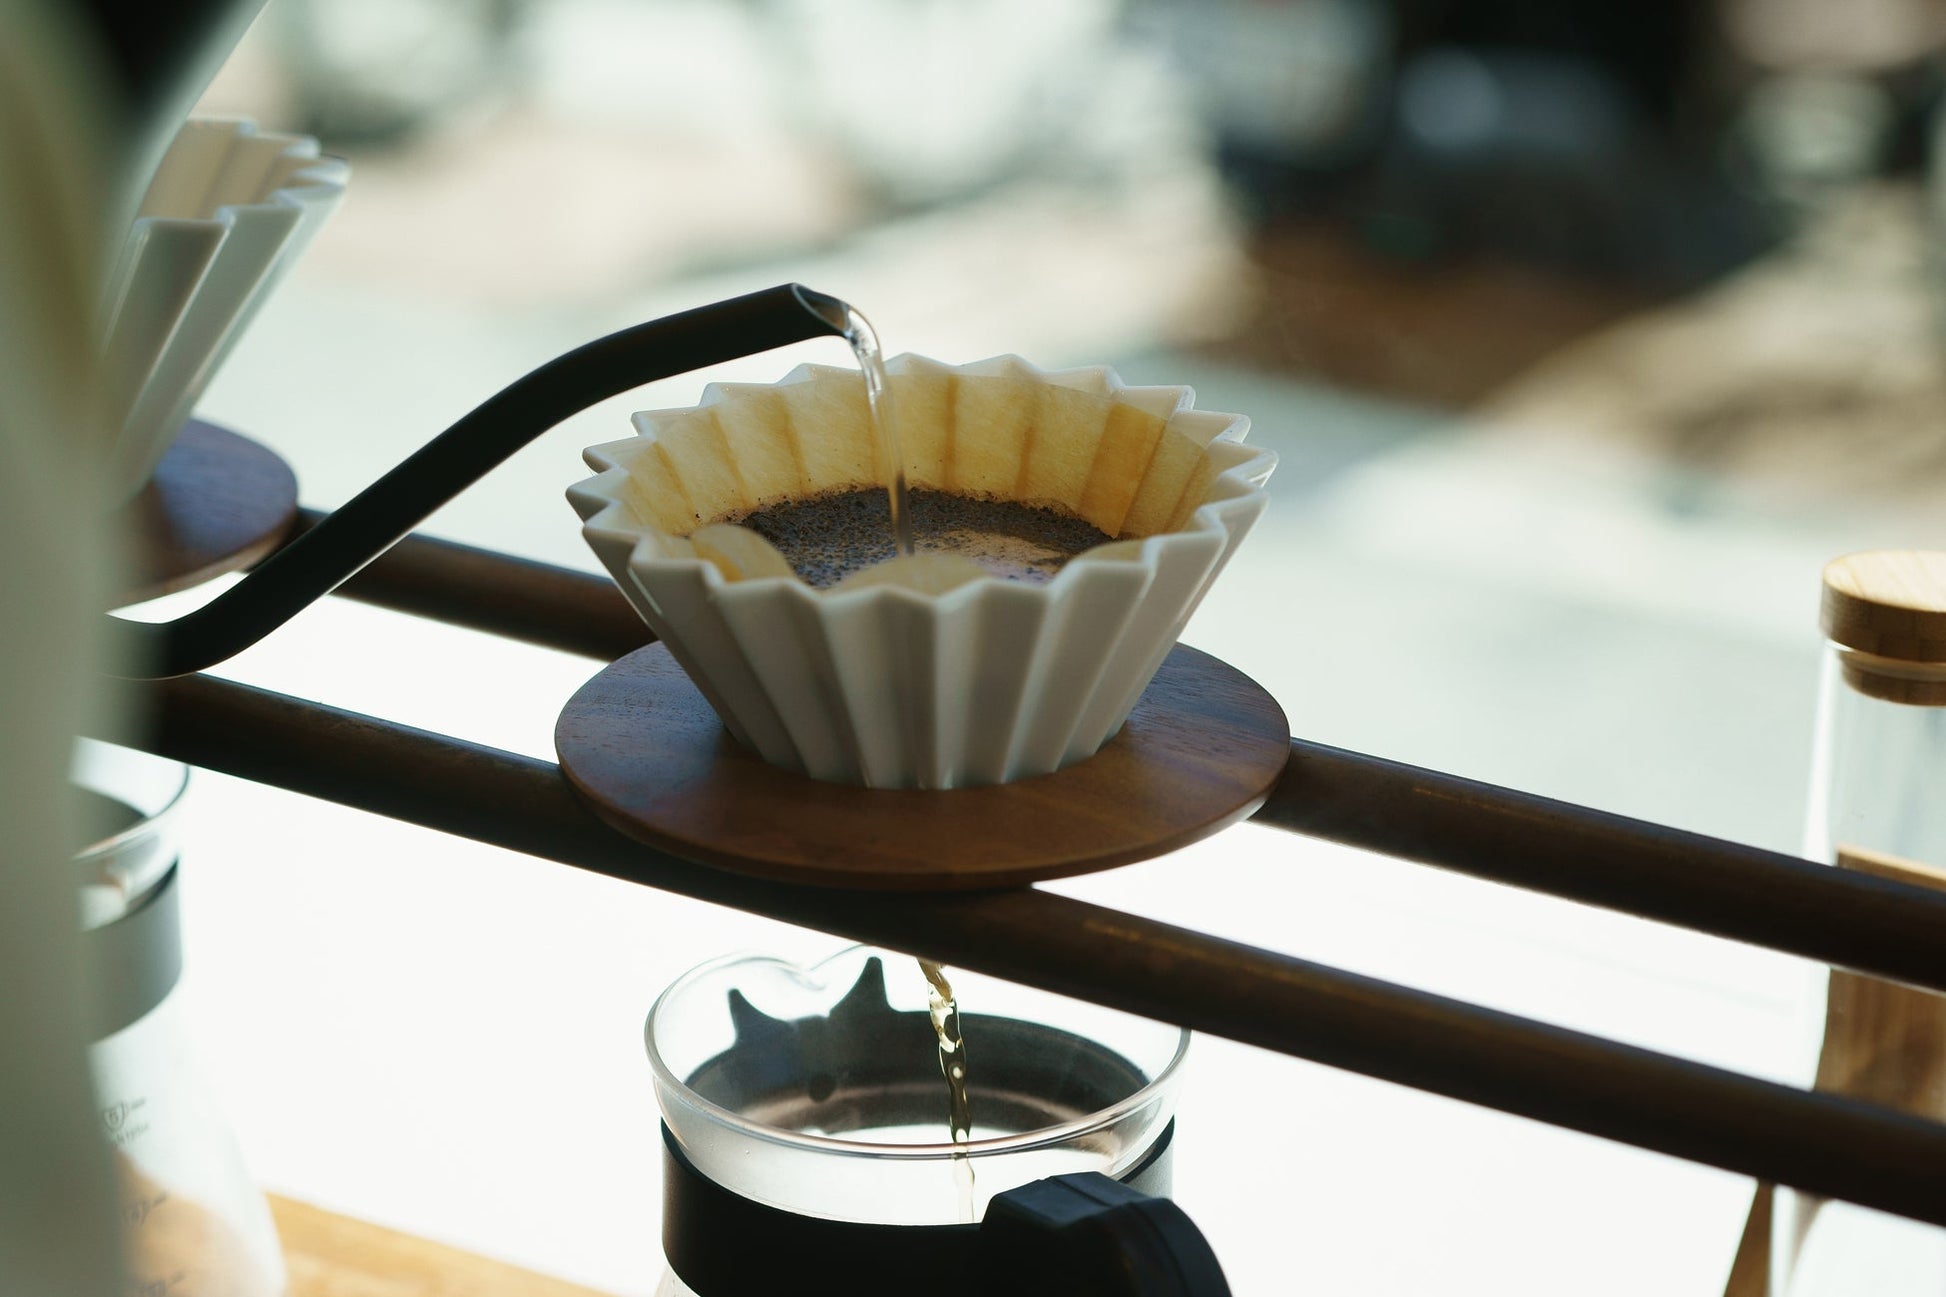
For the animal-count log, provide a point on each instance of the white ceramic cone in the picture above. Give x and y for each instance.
(988, 682)
(225, 216)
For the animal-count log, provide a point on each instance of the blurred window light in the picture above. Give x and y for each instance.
(1809, 131)
(1454, 100)
(1449, 99)
(1301, 81)
(1857, 35)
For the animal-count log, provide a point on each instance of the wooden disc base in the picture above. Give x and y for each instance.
(1201, 751)
(217, 503)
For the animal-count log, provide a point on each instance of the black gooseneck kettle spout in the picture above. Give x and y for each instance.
(330, 553)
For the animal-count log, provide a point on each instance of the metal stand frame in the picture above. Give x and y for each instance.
(1820, 1143)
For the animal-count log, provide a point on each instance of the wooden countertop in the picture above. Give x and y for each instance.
(336, 1256)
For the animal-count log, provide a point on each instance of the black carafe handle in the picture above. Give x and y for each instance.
(371, 522)
(1089, 1235)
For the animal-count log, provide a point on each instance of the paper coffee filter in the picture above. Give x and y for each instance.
(1131, 461)
(890, 685)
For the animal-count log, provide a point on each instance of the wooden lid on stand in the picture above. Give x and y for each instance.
(1886, 611)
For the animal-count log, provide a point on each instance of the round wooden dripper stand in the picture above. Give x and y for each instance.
(1201, 751)
(217, 503)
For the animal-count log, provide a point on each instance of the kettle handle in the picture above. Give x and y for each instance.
(1089, 1235)
(371, 522)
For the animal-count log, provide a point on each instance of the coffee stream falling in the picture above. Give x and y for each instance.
(942, 1005)
(878, 396)
(952, 1049)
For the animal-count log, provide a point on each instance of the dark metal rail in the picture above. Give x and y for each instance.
(1855, 921)
(515, 598)
(1820, 1143)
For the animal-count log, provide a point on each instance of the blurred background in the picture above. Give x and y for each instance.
(1586, 335)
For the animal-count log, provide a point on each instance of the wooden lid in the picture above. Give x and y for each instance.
(1890, 603)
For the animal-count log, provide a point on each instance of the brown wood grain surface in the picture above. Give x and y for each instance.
(217, 503)
(1891, 602)
(328, 1255)
(1200, 752)
(1883, 1042)
(1750, 1269)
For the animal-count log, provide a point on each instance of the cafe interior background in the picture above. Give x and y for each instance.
(1585, 335)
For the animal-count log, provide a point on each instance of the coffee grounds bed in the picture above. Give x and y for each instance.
(1200, 751)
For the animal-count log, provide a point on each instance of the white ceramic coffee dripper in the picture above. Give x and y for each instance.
(225, 216)
(890, 687)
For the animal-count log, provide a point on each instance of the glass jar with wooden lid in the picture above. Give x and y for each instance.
(1878, 805)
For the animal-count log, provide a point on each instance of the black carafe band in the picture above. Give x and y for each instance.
(1079, 1235)
(135, 960)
